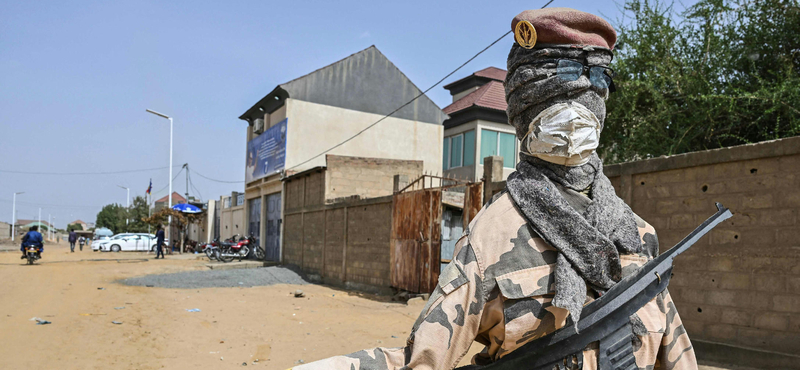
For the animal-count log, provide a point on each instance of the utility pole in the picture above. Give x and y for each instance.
(14, 215)
(49, 226)
(40, 217)
(186, 166)
(127, 205)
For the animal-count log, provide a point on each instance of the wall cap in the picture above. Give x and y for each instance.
(764, 149)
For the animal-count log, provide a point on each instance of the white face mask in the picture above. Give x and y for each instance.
(565, 134)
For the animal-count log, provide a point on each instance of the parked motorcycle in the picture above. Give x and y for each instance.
(240, 249)
(32, 254)
(211, 249)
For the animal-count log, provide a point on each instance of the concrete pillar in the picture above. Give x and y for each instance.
(492, 172)
(400, 182)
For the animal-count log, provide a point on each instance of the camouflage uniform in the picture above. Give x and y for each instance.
(497, 291)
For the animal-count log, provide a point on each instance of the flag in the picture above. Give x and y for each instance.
(149, 188)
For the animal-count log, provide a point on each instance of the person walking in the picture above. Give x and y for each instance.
(73, 237)
(159, 242)
(81, 240)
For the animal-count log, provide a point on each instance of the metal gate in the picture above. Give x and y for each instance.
(416, 241)
(272, 239)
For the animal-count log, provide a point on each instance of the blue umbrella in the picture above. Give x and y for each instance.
(186, 208)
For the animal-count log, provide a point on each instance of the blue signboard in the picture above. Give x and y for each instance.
(266, 153)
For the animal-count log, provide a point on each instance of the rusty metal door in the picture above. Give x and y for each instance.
(473, 201)
(416, 240)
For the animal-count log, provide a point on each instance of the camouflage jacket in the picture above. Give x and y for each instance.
(497, 291)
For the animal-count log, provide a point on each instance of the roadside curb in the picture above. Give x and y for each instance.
(235, 265)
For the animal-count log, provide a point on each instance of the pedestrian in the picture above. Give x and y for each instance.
(159, 242)
(73, 237)
(556, 238)
(81, 240)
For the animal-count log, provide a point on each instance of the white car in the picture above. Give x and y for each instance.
(128, 242)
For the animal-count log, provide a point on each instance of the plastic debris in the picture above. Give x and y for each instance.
(117, 322)
(119, 308)
(101, 288)
(40, 321)
(193, 310)
(299, 293)
(244, 363)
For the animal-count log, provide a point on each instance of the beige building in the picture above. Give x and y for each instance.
(334, 106)
(478, 126)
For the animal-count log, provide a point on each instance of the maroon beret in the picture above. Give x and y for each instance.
(568, 26)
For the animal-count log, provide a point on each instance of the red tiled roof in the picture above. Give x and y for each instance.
(493, 73)
(176, 198)
(491, 95)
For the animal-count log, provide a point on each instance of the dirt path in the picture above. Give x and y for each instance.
(235, 325)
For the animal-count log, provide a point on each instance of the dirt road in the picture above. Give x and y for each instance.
(234, 325)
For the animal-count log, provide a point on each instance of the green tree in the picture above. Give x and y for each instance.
(138, 212)
(112, 216)
(720, 73)
(76, 227)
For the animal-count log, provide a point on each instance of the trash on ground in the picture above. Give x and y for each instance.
(149, 286)
(40, 321)
(193, 310)
(101, 288)
(92, 314)
(117, 322)
(244, 363)
(299, 293)
(119, 308)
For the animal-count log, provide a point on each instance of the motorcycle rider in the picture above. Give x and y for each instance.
(32, 239)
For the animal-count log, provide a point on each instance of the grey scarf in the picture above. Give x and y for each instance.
(589, 235)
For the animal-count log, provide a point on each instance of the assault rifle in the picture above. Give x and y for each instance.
(606, 319)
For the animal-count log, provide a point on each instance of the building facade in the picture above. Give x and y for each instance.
(335, 106)
(478, 126)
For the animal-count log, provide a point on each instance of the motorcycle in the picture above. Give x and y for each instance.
(240, 249)
(32, 254)
(211, 250)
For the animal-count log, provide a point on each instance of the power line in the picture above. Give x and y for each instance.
(83, 173)
(166, 186)
(215, 180)
(410, 101)
(193, 187)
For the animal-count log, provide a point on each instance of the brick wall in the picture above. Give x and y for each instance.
(365, 177)
(739, 285)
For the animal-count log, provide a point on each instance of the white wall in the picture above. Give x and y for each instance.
(313, 128)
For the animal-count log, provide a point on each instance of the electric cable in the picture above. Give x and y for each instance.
(84, 173)
(167, 186)
(193, 187)
(215, 180)
(410, 101)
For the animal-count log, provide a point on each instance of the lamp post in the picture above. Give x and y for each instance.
(169, 197)
(14, 215)
(127, 204)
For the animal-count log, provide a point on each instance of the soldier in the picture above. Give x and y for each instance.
(558, 237)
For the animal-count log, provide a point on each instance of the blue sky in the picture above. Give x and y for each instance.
(77, 77)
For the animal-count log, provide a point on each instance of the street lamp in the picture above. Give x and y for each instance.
(14, 215)
(127, 203)
(169, 197)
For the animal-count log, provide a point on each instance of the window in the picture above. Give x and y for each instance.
(456, 151)
(499, 143)
(459, 150)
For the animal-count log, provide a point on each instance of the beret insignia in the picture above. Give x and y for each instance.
(525, 34)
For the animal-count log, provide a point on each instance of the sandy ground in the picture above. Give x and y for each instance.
(235, 325)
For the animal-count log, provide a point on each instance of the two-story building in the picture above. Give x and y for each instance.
(478, 126)
(338, 109)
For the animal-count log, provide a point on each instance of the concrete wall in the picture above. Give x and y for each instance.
(365, 177)
(345, 244)
(232, 219)
(5, 230)
(313, 128)
(739, 285)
